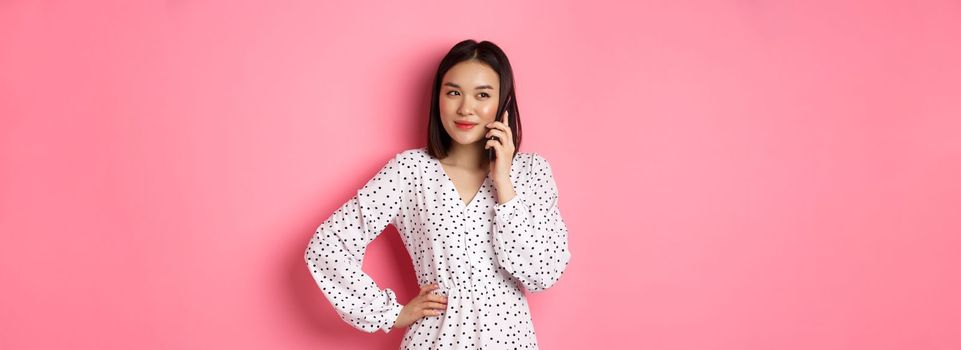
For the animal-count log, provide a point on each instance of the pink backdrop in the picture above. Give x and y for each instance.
(735, 174)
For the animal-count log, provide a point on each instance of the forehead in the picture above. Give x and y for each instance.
(471, 73)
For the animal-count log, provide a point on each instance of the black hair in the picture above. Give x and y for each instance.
(438, 141)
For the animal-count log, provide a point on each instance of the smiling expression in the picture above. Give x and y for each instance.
(468, 101)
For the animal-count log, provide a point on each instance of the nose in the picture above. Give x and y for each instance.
(465, 107)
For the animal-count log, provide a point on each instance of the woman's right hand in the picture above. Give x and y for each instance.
(424, 304)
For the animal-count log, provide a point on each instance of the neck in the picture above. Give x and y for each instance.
(472, 156)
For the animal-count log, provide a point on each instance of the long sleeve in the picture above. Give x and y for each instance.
(530, 237)
(336, 252)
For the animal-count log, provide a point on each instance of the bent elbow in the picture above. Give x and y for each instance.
(550, 278)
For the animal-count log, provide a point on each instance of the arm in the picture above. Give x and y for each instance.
(530, 237)
(336, 252)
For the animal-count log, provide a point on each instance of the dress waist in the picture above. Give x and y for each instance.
(447, 288)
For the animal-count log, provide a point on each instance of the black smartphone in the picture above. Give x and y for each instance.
(491, 153)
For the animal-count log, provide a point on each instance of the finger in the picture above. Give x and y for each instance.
(505, 118)
(430, 312)
(501, 140)
(433, 305)
(497, 125)
(501, 148)
(502, 127)
(498, 147)
(426, 288)
(496, 132)
(437, 298)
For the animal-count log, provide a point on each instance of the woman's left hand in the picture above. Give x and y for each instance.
(504, 149)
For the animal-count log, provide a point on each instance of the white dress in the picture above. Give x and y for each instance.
(480, 253)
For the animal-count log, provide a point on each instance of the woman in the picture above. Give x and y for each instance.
(476, 229)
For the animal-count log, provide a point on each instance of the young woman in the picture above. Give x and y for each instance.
(476, 229)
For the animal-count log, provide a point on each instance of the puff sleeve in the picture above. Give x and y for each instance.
(336, 252)
(530, 236)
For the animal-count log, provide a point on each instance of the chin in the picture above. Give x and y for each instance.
(466, 141)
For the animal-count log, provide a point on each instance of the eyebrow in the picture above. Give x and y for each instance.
(479, 87)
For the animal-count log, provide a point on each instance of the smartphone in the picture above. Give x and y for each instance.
(491, 153)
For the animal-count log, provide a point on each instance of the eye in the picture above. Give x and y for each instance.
(485, 94)
(448, 93)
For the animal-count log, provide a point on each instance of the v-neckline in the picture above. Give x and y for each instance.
(454, 186)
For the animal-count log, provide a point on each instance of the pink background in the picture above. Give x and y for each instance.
(734, 174)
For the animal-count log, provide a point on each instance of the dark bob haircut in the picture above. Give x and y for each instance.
(438, 141)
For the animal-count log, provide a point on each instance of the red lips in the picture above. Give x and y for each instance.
(465, 125)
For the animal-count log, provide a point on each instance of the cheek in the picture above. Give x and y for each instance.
(447, 107)
(488, 111)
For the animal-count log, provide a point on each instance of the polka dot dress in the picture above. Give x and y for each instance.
(479, 253)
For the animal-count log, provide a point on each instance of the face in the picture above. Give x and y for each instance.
(468, 101)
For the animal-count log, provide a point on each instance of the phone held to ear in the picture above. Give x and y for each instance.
(491, 154)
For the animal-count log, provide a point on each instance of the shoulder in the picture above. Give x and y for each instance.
(531, 160)
(412, 159)
(414, 152)
(412, 156)
(531, 167)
